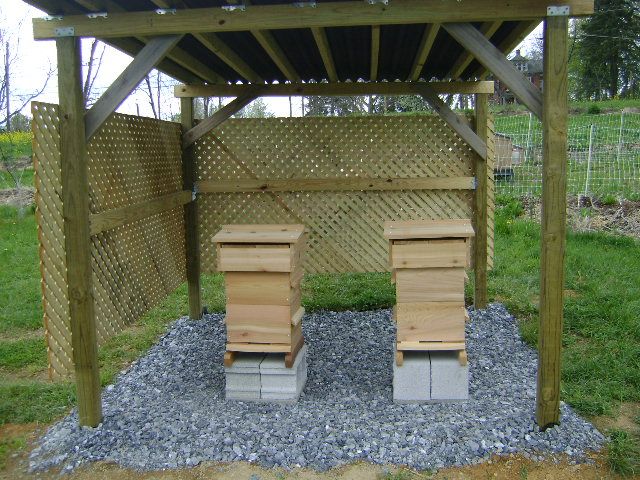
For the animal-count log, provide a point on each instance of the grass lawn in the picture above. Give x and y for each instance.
(601, 369)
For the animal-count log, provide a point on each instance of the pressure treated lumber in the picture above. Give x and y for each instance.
(554, 195)
(494, 60)
(191, 216)
(375, 52)
(426, 43)
(325, 14)
(429, 285)
(481, 219)
(331, 89)
(437, 321)
(419, 229)
(322, 42)
(463, 61)
(228, 56)
(75, 194)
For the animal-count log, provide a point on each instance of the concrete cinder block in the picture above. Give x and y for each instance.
(279, 382)
(449, 379)
(412, 381)
(242, 379)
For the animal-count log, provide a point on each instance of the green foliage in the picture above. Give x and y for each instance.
(348, 291)
(21, 353)
(31, 401)
(609, 199)
(624, 453)
(594, 109)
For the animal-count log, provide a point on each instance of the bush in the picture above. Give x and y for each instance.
(593, 109)
(609, 199)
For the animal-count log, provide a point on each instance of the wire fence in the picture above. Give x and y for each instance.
(603, 155)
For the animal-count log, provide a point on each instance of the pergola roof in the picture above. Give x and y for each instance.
(391, 52)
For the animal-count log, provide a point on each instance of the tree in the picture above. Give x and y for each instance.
(93, 65)
(607, 50)
(256, 109)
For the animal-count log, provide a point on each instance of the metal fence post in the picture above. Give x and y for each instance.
(591, 135)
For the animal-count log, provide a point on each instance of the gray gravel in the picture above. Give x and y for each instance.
(168, 409)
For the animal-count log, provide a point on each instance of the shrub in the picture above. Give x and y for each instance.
(593, 109)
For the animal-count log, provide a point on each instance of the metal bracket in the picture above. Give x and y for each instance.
(558, 11)
(93, 15)
(233, 8)
(373, 2)
(194, 192)
(64, 32)
(166, 11)
(311, 4)
(475, 183)
(51, 18)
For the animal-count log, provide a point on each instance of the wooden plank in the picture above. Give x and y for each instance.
(429, 254)
(270, 258)
(375, 52)
(460, 126)
(554, 197)
(426, 43)
(335, 184)
(259, 347)
(494, 60)
(191, 217)
(75, 207)
(481, 208)
(117, 217)
(297, 342)
(208, 124)
(214, 43)
(320, 36)
(464, 60)
(416, 229)
(271, 47)
(429, 285)
(256, 233)
(325, 14)
(331, 89)
(259, 288)
(258, 323)
(154, 51)
(297, 317)
(430, 346)
(430, 322)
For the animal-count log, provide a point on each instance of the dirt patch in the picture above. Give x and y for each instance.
(17, 197)
(627, 419)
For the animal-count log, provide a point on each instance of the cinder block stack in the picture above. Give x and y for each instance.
(428, 260)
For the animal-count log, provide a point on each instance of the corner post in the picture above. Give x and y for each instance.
(192, 237)
(75, 207)
(480, 203)
(554, 199)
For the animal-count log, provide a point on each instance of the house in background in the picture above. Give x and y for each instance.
(531, 69)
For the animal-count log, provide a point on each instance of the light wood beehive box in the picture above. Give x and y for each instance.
(428, 261)
(262, 266)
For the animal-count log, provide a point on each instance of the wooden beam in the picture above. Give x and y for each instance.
(492, 58)
(320, 37)
(335, 184)
(103, 221)
(460, 126)
(128, 80)
(480, 214)
(270, 45)
(283, 16)
(75, 212)
(331, 89)
(191, 219)
(208, 124)
(426, 44)
(375, 52)
(487, 29)
(554, 204)
(214, 43)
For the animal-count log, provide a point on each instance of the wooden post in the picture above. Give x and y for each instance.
(554, 198)
(481, 208)
(75, 207)
(192, 237)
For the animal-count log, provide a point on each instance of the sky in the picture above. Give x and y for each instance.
(36, 58)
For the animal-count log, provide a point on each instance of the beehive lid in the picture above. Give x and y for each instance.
(259, 234)
(458, 228)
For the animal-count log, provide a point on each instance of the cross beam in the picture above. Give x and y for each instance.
(326, 14)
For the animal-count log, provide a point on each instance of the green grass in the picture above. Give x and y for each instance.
(624, 453)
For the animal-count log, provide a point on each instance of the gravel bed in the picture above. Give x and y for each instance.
(168, 409)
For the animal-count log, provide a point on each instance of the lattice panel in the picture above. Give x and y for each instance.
(345, 227)
(136, 265)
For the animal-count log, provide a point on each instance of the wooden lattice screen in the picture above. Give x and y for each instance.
(135, 264)
(345, 226)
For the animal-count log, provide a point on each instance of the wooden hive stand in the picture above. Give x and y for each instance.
(262, 267)
(428, 261)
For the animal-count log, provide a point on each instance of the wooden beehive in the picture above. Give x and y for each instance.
(262, 265)
(428, 261)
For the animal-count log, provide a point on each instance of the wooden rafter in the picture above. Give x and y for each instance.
(326, 14)
(270, 45)
(375, 52)
(331, 89)
(214, 43)
(320, 36)
(458, 68)
(493, 59)
(426, 43)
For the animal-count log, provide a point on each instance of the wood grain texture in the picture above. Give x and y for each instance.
(426, 43)
(429, 285)
(320, 36)
(463, 61)
(430, 322)
(430, 346)
(75, 195)
(429, 254)
(260, 288)
(262, 258)
(481, 210)
(421, 229)
(257, 234)
(554, 195)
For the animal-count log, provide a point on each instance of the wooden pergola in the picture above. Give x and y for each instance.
(330, 48)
